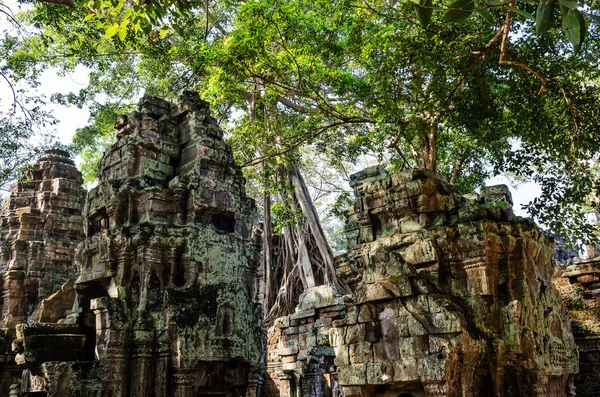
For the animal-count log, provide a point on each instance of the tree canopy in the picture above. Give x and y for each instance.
(467, 88)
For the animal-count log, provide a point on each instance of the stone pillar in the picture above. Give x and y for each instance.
(254, 385)
(183, 381)
(285, 384)
(110, 347)
(161, 370)
(142, 371)
(14, 296)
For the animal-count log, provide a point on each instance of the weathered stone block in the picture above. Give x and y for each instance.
(353, 374)
(375, 373)
(406, 370)
(360, 353)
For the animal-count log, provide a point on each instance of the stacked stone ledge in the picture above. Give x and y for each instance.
(300, 358)
(450, 297)
(166, 277)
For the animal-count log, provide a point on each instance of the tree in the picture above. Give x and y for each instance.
(344, 77)
(22, 113)
(462, 94)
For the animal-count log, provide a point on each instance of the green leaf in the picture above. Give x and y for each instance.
(488, 16)
(459, 16)
(424, 14)
(123, 30)
(571, 4)
(522, 12)
(582, 32)
(543, 16)
(89, 16)
(128, 13)
(111, 31)
(178, 29)
(572, 27)
(163, 32)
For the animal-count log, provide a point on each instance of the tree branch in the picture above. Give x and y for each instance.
(306, 137)
(293, 105)
(457, 168)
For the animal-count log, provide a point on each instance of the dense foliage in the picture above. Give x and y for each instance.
(467, 88)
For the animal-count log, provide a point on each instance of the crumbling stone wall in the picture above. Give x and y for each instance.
(450, 297)
(167, 272)
(300, 357)
(40, 226)
(579, 285)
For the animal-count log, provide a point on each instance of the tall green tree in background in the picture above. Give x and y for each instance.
(22, 113)
(460, 88)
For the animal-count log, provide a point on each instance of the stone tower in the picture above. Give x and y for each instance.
(167, 272)
(452, 296)
(40, 227)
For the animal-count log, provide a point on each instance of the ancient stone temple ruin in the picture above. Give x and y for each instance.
(579, 285)
(41, 224)
(451, 297)
(166, 275)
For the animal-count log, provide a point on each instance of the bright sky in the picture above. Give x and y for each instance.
(70, 118)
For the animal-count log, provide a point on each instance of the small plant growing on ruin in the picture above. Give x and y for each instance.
(577, 300)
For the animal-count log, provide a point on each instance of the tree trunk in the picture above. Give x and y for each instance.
(307, 252)
(428, 143)
(314, 224)
(267, 253)
(304, 258)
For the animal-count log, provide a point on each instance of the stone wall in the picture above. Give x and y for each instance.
(579, 285)
(450, 297)
(167, 272)
(300, 359)
(40, 226)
